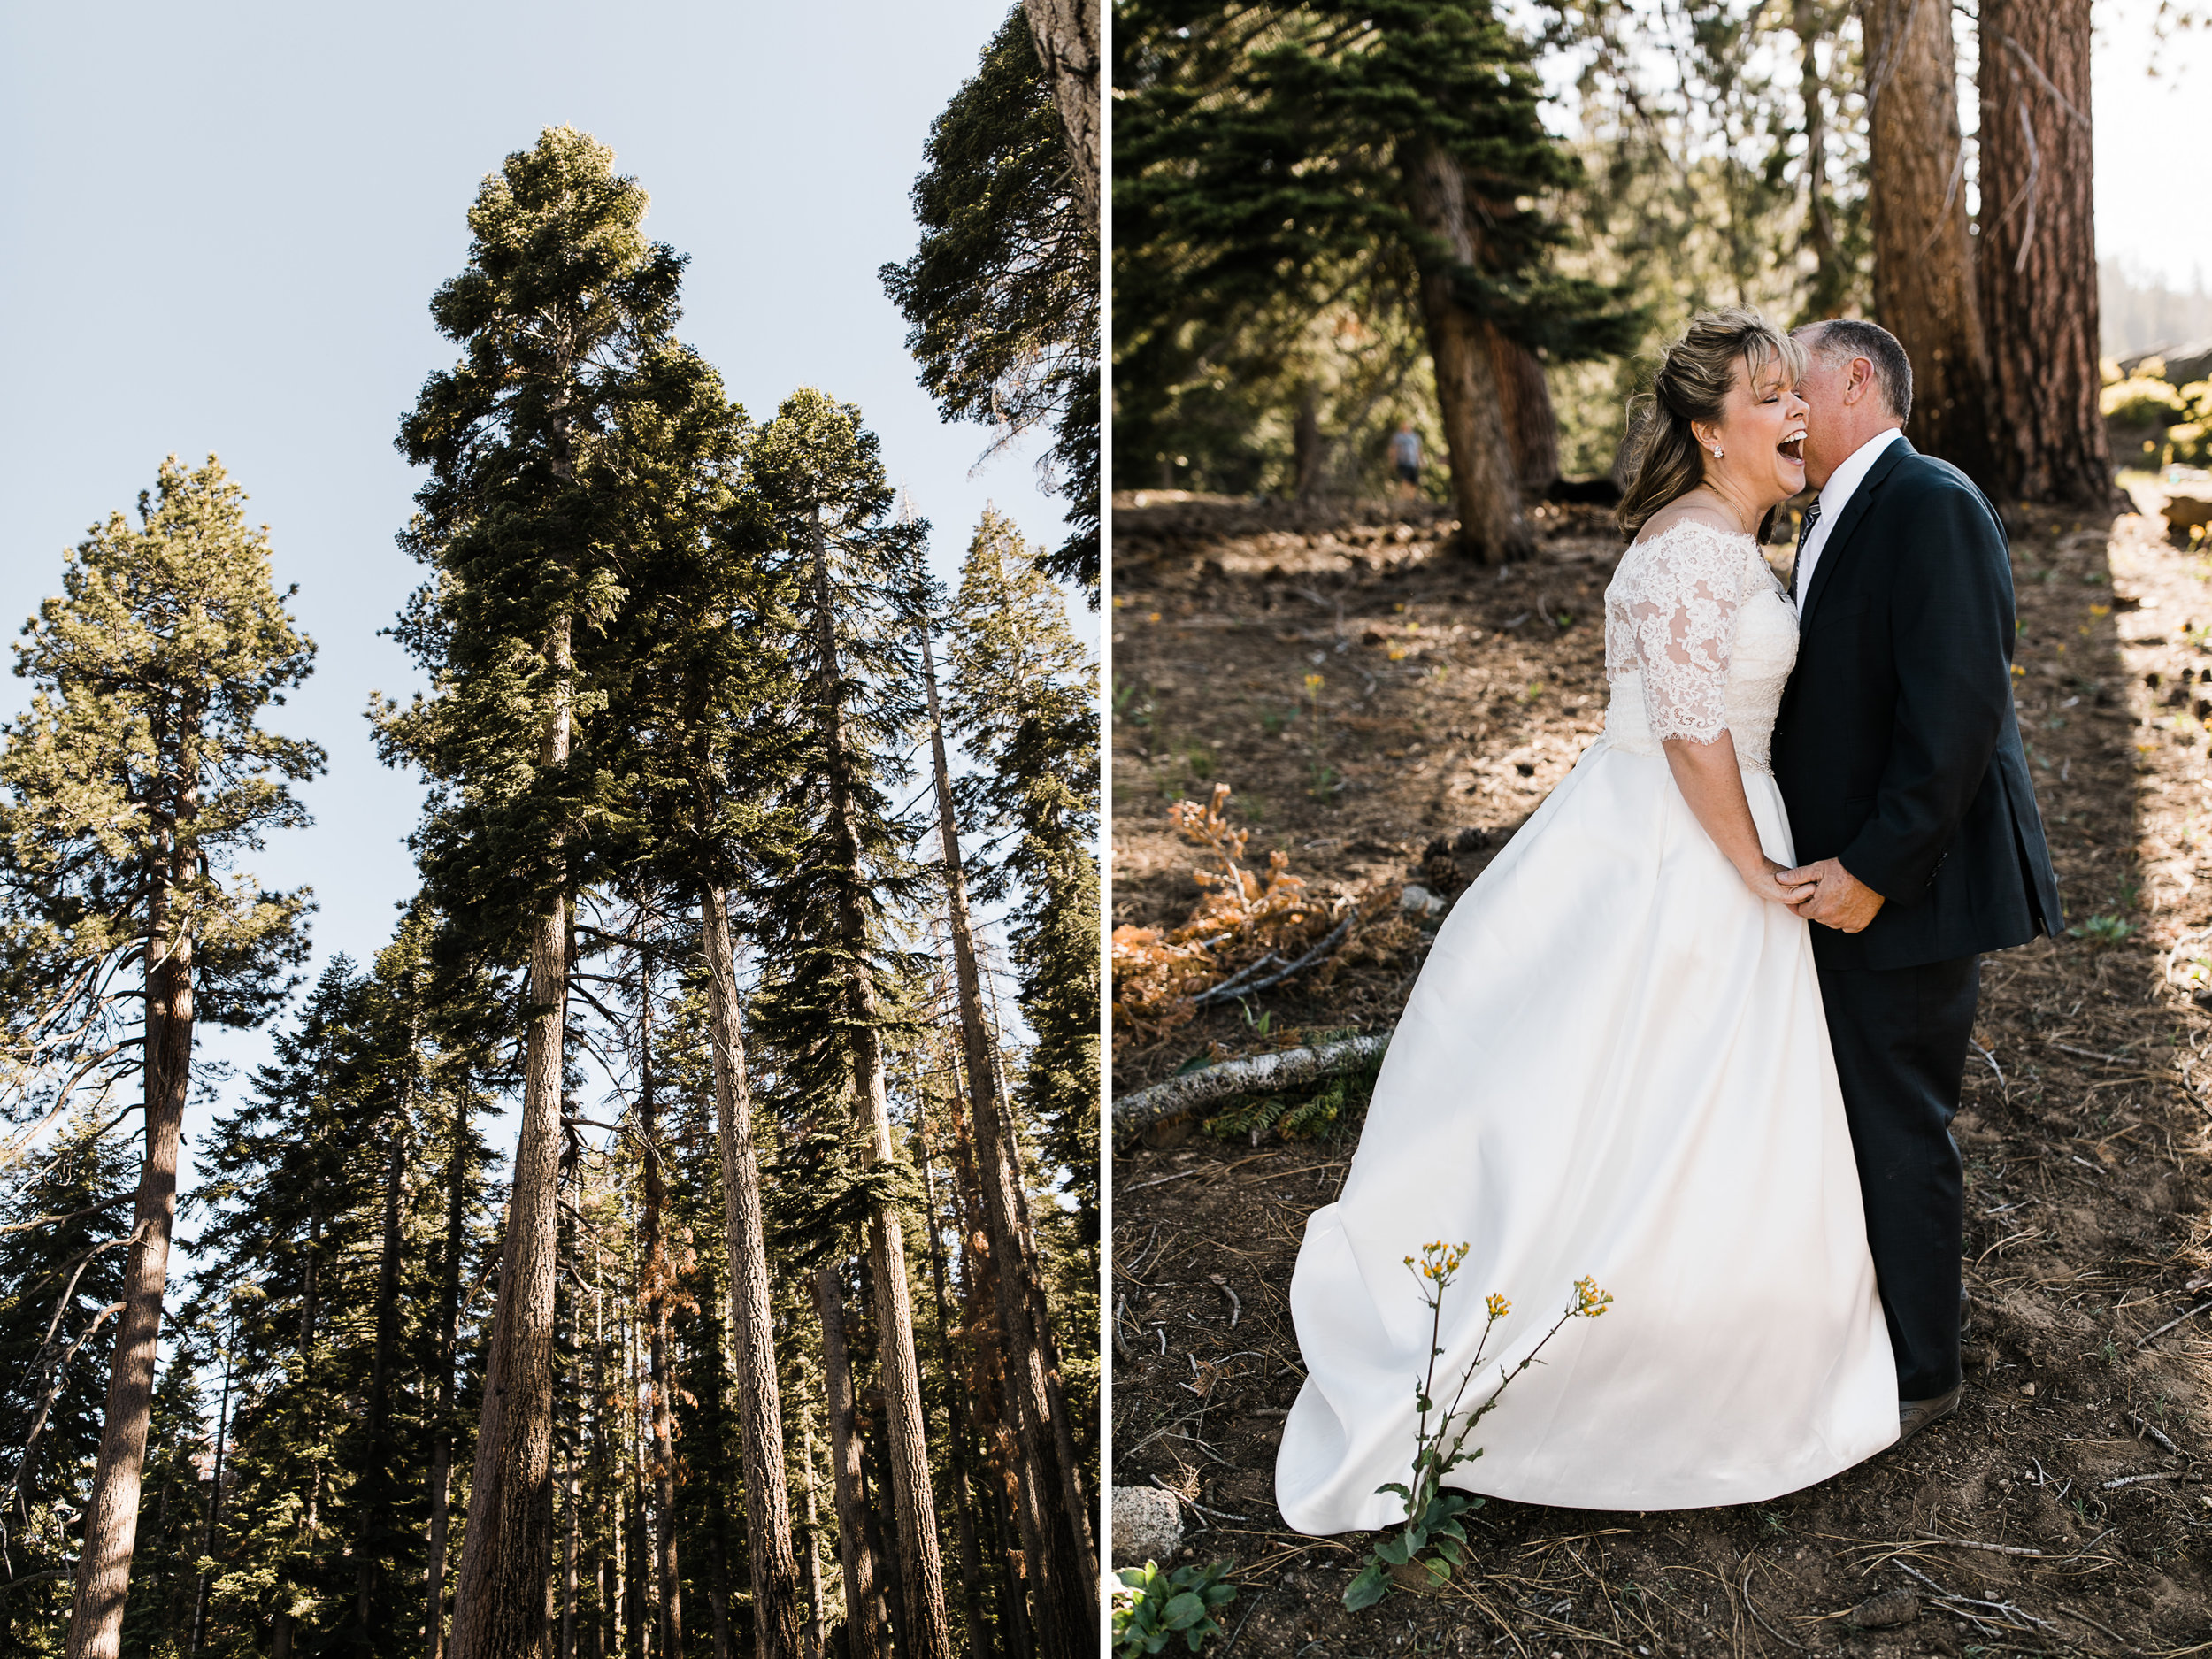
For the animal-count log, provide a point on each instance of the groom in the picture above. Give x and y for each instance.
(1900, 760)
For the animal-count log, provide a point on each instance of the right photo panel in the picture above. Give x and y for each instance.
(1660, 909)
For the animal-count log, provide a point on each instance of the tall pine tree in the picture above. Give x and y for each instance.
(134, 784)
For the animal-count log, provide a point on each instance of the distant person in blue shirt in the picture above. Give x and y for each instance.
(1405, 451)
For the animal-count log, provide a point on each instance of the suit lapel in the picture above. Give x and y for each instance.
(1853, 511)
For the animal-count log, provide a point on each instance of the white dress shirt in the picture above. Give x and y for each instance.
(1835, 496)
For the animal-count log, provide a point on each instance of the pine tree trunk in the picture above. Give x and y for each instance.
(1924, 256)
(502, 1594)
(449, 1340)
(815, 1620)
(214, 1492)
(1532, 427)
(866, 1636)
(1066, 36)
(1307, 453)
(1812, 21)
(376, 1475)
(778, 1627)
(658, 1276)
(110, 1517)
(2038, 253)
(1062, 1573)
(605, 1635)
(925, 1628)
(1483, 488)
(955, 1412)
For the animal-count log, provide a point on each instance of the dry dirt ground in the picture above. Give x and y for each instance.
(2065, 1509)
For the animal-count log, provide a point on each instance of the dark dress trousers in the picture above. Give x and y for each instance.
(1897, 752)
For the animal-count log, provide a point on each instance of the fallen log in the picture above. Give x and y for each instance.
(1254, 1074)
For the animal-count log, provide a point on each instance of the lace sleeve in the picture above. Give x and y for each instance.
(1682, 608)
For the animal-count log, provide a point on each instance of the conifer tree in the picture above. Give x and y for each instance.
(61, 1277)
(564, 312)
(1003, 294)
(861, 591)
(1271, 157)
(134, 783)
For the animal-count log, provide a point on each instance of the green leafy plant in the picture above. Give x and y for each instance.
(2107, 929)
(1151, 1607)
(1432, 1518)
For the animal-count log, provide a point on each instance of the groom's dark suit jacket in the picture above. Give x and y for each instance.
(1897, 748)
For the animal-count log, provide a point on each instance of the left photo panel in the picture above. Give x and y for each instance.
(550, 954)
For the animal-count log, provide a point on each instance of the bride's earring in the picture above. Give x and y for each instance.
(1716, 452)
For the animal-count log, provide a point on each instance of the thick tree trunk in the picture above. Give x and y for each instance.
(925, 1628)
(110, 1517)
(448, 1341)
(503, 1594)
(2038, 253)
(1923, 257)
(777, 1626)
(866, 1634)
(1532, 427)
(1062, 1573)
(1484, 487)
(1067, 35)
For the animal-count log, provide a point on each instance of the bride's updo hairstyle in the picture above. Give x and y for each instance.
(1693, 384)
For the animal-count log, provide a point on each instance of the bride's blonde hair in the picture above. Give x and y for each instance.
(1693, 384)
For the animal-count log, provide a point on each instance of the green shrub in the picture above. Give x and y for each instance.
(1152, 1607)
(2140, 401)
(2189, 444)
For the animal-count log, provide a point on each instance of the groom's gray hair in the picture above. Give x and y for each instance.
(1842, 337)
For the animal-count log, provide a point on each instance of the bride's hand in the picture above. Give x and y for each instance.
(1760, 878)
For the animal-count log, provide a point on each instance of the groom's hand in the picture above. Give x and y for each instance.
(1840, 900)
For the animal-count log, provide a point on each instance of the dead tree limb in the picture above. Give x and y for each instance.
(1254, 1074)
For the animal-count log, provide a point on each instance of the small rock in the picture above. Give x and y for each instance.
(1420, 900)
(2184, 512)
(1879, 1612)
(1147, 1526)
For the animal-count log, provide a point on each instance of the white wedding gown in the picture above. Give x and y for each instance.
(1614, 1063)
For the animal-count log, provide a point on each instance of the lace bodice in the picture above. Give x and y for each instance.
(1698, 640)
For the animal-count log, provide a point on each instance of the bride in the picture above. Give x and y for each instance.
(1614, 1064)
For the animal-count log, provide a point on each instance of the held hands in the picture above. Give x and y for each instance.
(1770, 880)
(1838, 899)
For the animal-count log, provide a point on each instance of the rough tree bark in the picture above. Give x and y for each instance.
(778, 1625)
(2038, 254)
(1067, 35)
(110, 1517)
(814, 1614)
(924, 1627)
(1532, 426)
(1483, 482)
(866, 1631)
(1923, 257)
(1063, 1574)
(503, 1594)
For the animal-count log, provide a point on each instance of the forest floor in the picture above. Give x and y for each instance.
(2068, 1497)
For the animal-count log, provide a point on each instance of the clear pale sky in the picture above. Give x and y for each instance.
(2149, 143)
(222, 226)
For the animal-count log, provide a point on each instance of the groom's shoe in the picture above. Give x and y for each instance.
(1915, 1414)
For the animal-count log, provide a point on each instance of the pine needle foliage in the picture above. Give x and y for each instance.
(1002, 296)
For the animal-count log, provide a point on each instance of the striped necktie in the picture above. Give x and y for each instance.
(1804, 535)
